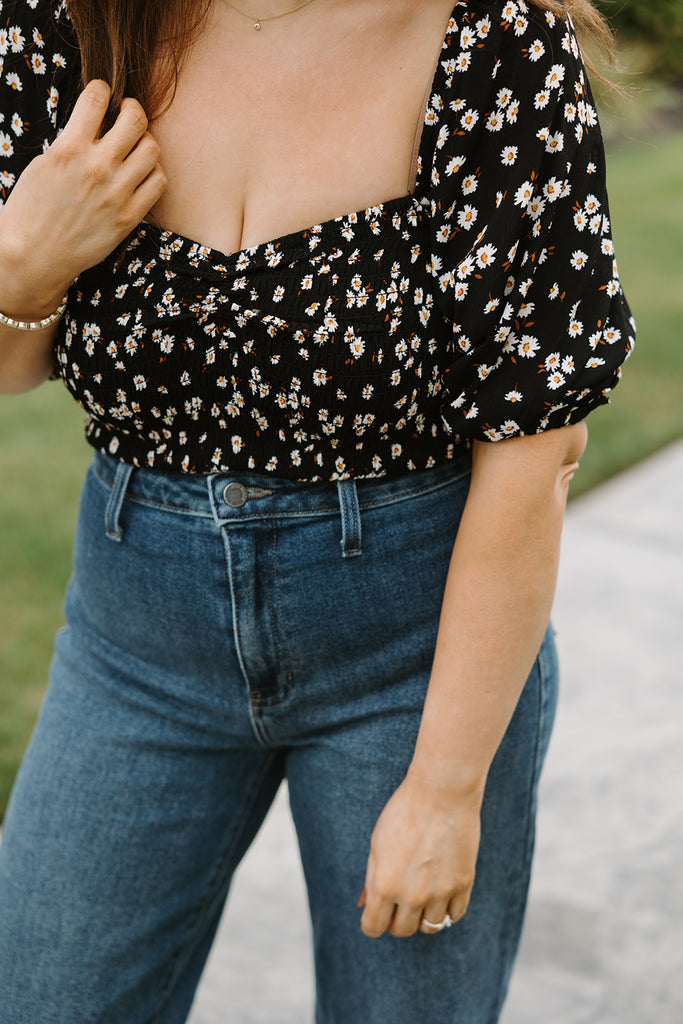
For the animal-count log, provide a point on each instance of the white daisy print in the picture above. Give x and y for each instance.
(536, 50)
(486, 255)
(467, 217)
(579, 259)
(528, 346)
(495, 121)
(469, 119)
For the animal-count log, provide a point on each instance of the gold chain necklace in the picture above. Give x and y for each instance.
(257, 22)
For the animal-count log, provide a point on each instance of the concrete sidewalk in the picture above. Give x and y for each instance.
(603, 942)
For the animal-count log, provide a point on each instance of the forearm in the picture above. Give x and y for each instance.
(25, 356)
(496, 606)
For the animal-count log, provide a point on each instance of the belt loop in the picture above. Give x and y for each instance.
(112, 515)
(350, 518)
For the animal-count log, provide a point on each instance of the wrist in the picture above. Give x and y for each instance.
(447, 782)
(24, 308)
(24, 294)
(35, 325)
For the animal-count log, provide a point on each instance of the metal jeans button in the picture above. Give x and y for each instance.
(235, 494)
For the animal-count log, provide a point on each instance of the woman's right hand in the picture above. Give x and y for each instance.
(76, 202)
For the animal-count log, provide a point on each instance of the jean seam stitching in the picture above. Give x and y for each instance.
(406, 495)
(180, 509)
(281, 615)
(343, 514)
(236, 634)
(264, 702)
(355, 515)
(115, 504)
(304, 514)
(278, 699)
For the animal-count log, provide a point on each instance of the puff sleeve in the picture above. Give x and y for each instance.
(521, 248)
(39, 74)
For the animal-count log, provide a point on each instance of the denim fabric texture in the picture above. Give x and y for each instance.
(224, 632)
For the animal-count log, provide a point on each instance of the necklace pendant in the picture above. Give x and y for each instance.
(257, 26)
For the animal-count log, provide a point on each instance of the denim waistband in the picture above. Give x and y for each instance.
(244, 496)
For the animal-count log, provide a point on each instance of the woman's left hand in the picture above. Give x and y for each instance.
(422, 859)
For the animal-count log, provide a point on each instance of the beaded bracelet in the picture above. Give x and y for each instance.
(35, 325)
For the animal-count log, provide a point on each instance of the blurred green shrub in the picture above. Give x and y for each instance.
(656, 24)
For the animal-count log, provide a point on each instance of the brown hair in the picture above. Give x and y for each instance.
(137, 46)
(591, 27)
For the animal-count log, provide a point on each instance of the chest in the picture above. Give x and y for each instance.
(273, 131)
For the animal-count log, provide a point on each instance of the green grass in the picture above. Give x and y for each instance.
(43, 456)
(42, 460)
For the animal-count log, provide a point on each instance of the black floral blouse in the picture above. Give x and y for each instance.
(483, 305)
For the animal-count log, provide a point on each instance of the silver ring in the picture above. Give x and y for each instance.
(446, 923)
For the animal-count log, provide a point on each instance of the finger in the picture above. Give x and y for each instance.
(457, 907)
(406, 921)
(147, 194)
(140, 162)
(434, 913)
(376, 916)
(88, 112)
(127, 130)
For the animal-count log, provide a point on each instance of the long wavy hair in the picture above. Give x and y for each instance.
(137, 46)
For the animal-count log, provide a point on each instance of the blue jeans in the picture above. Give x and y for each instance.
(223, 633)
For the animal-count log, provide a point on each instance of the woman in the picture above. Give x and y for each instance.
(320, 533)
